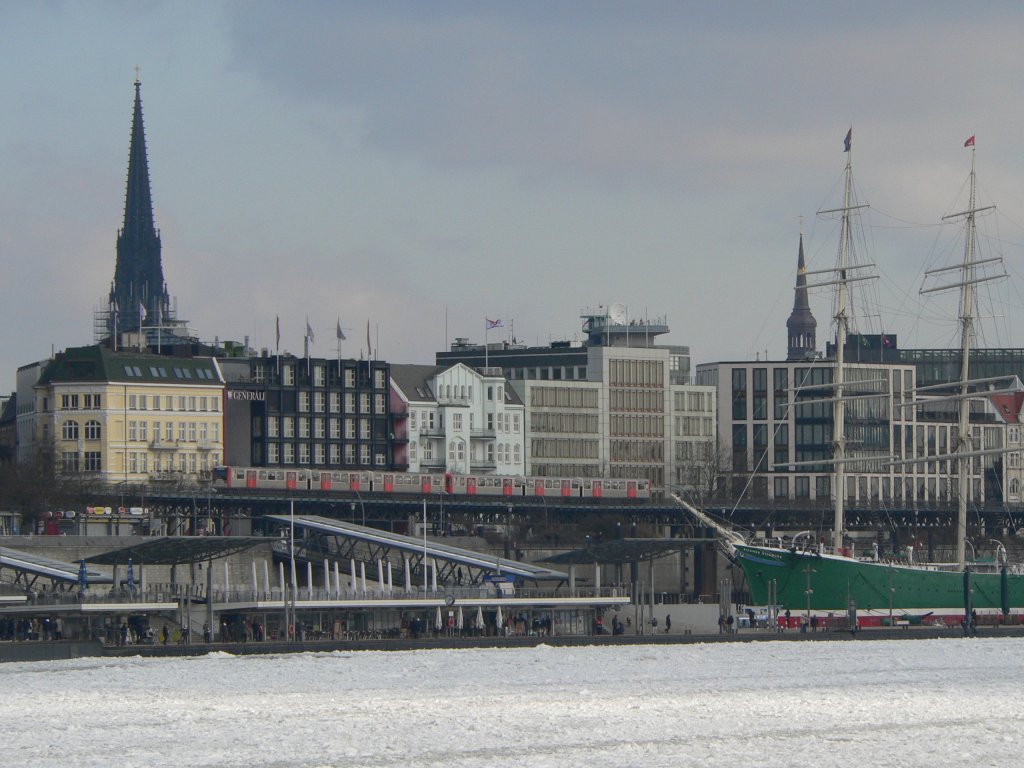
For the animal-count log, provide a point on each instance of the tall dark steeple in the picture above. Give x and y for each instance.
(801, 326)
(138, 295)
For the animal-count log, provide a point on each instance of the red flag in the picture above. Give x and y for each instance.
(969, 142)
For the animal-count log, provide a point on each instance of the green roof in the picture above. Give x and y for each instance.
(99, 364)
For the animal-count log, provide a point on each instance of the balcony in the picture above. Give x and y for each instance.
(163, 445)
(206, 445)
(483, 434)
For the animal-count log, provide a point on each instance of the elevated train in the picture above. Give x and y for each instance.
(408, 483)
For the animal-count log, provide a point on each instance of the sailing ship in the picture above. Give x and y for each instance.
(821, 581)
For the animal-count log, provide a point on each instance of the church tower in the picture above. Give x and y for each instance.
(138, 295)
(801, 326)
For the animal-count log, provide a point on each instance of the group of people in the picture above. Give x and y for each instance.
(31, 629)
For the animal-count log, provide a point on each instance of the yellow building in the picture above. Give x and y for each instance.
(131, 417)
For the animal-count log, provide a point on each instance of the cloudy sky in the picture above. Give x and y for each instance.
(422, 166)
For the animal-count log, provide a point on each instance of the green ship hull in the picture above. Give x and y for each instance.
(823, 583)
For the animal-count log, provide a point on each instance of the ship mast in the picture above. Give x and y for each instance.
(838, 406)
(969, 277)
(843, 276)
(966, 331)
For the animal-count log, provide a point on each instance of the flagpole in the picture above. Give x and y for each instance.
(487, 331)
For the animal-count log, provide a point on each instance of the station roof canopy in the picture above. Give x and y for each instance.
(624, 551)
(178, 550)
(31, 566)
(454, 557)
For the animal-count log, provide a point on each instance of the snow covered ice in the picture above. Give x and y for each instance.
(900, 703)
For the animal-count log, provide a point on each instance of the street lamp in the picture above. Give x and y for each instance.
(362, 507)
(1000, 550)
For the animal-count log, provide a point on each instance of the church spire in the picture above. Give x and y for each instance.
(801, 326)
(139, 295)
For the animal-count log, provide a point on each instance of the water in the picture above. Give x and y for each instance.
(903, 703)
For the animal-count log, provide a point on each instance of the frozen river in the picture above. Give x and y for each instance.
(899, 703)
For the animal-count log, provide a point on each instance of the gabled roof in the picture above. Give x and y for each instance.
(1008, 406)
(414, 381)
(100, 364)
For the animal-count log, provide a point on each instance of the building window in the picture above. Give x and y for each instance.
(288, 375)
(69, 461)
(457, 421)
(70, 430)
(92, 430)
(364, 454)
(319, 376)
(350, 377)
(303, 453)
(93, 461)
(303, 401)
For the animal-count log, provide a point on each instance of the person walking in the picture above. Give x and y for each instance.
(668, 623)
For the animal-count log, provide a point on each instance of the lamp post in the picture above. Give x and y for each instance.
(362, 507)
(1000, 550)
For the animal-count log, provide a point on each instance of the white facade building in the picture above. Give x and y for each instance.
(462, 420)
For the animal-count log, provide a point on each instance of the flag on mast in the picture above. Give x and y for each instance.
(309, 331)
(493, 323)
(341, 334)
(369, 348)
(969, 142)
(848, 140)
(277, 325)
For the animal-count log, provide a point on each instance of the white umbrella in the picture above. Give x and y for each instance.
(479, 618)
(499, 621)
(437, 621)
(461, 620)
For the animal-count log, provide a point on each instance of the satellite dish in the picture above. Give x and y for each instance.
(617, 313)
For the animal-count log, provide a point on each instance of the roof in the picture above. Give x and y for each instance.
(100, 364)
(177, 550)
(1008, 406)
(414, 381)
(621, 551)
(9, 412)
(29, 562)
(409, 544)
